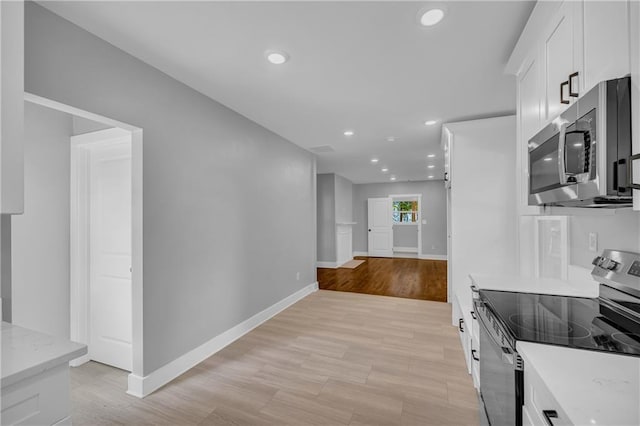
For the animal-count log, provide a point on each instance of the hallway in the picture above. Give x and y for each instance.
(397, 277)
(333, 358)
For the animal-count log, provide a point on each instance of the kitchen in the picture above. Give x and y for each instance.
(515, 248)
(550, 338)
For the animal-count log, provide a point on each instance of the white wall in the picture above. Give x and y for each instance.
(620, 231)
(434, 211)
(40, 236)
(229, 207)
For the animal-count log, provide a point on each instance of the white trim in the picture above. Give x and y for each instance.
(81, 146)
(413, 255)
(326, 264)
(418, 223)
(136, 214)
(433, 257)
(143, 386)
(405, 250)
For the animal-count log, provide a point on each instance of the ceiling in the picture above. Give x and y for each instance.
(362, 66)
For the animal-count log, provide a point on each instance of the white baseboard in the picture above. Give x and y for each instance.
(433, 256)
(143, 386)
(326, 265)
(408, 255)
(80, 360)
(405, 250)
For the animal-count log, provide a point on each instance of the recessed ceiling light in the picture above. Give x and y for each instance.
(430, 166)
(547, 159)
(430, 122)
(385, 170)
(374, 160)
(430, 176)
(577, 144)
(277, 58)
(431, 17)
(391, 139)
(349, 133)
(431, 156)
(392, 178)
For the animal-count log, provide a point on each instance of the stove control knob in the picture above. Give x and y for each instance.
(596, 261)
(610, 264)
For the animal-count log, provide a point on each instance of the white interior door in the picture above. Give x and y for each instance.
(110, 312)
(380, 227)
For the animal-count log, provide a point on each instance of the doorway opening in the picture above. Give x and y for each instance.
(105, 257)
(407, 225)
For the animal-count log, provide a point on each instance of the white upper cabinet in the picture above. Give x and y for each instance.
(591, 40)
(604, 49)
(558, 43)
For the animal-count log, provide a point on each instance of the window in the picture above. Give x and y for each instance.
(405, 212)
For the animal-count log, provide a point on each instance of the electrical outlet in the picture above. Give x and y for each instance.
(593, 241)
(424, 221)
(297, 276)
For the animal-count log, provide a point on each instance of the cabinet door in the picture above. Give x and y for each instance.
(605, 41)
(558, 47)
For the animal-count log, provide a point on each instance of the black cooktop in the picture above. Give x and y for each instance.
(574, 322)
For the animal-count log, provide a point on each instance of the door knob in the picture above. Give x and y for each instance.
(369, 230)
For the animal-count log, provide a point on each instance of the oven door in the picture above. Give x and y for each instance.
(500, 381)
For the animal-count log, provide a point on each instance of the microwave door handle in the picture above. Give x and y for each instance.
(562, 167)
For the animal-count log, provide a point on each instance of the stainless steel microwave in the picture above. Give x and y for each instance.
(583, 157)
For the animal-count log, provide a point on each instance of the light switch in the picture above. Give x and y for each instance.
(593, 241)
(424, 221)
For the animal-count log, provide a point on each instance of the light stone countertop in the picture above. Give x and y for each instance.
(588, 288)
(593, 388)
(26, 353)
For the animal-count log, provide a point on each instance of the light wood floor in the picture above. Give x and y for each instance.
(334, 358)
(397, 277)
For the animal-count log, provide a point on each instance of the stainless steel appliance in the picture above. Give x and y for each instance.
(609, 323)
(583, 158)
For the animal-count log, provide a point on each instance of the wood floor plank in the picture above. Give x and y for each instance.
(397, 277)
(334, 358)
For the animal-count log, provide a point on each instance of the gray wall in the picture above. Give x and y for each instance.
(434, 210)
(326, 208)
(205, 269)
(405, 236)
(40, 236)
(344, 199)
(619, 231)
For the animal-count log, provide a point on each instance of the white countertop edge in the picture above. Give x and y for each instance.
(26, 353)
(591, 387)
(41, 368)
(550, 286)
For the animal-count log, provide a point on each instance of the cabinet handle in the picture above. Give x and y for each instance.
(573, 93)
(630, 182)
(474, 356)
(473, 315)
(460, 327)
(562, 86)
(550, 414)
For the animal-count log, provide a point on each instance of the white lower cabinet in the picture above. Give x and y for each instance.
(462, 321)
(540, 407)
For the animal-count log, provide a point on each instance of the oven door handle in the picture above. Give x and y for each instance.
(507, 353)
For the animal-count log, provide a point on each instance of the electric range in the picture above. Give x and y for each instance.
(609, 323)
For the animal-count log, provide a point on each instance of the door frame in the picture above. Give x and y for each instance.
(419, 198)
(80, 241)
(76, 320)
